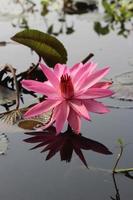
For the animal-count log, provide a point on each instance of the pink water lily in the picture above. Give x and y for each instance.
(71, 93)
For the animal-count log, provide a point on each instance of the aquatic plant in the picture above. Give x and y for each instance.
(71, 93)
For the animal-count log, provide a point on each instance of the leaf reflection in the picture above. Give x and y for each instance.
(65, 143)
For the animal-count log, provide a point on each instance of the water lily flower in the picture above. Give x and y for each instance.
(71, 93)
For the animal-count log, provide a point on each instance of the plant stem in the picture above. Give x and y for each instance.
(35, 66)
(124, 170)
(118, 159)
(87, 58)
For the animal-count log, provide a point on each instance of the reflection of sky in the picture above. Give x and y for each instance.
(24, 174)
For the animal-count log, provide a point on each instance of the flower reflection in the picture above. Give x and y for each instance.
(64, 143)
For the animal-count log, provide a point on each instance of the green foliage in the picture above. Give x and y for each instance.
(101, 30)
(108, 7)
(46, 46)
(45, 1)
(118, 12)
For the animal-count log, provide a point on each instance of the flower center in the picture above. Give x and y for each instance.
(66, 86)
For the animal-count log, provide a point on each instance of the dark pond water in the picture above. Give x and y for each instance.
(24, 174)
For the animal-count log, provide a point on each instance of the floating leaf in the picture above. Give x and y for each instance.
(11, 117)
(29, 124)
(35, 122)
(16, 116)
(123, 86)
(3, 143)
(45, 45)
(6, 95)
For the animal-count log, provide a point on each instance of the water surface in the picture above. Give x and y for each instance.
(25, 174)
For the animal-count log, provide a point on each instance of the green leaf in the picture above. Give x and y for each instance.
(45, 45)
(108, 7)
(101, 30)
(35, 122)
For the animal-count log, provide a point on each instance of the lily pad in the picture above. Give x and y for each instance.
(12, 117)
(35, 122)
(45, 45)
(123, 86)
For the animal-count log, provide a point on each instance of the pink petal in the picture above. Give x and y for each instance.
(74, 72)
(59, 69)
(94, 93)
(74, 121)
(66, 70)
(88, 82)
(61, 115)
(75, 68)
(91, 66)
(96, 107)
(39, 87)
(42, 107)
(79, 108)
(51, 76)
(83, 72)
(103, 85)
